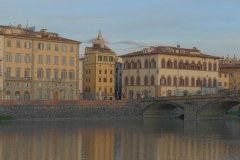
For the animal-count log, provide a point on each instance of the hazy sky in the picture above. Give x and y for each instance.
(213, 26)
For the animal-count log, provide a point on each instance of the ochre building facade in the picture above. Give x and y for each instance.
(168, 71)
(37, 65)
(99, 71)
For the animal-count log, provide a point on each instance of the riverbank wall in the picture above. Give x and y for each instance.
(71, 109)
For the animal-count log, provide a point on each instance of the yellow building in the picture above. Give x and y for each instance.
(99, 71)
(37, 65)
(168, 71)
(234, 76)
(223, 81)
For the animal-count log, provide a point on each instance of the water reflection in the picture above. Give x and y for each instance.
(119, 139)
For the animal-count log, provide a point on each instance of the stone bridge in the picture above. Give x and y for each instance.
(193, 107)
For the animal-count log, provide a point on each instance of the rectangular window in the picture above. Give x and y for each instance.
(63, 60)
(26, 74)
(219, 83)
(40, 59)
(225, 83)
(17, 73)
(56, 47)
(48, 59)
(55, 74)
(87, 71)
(39, 94)
(104, 79)
(71, 61)
(9, 44)
(55, 60)
(105, 58)
(18, 58)
(64, 48)
(40, 46)
(225, 75)
(110, 58)
(71, 75)
(18, 84)
(162, 81)
(18, 44)
(8, 57)
(99, 58)
(39, 74)
(100, 71)
(27, 58)
(105, 71)
(27, 44)
(100, 79)
(27, 85)
(71, 95)
(48, 95)
(110, 80)
(48, 46)
(220, 75)
(48, 74)
(110, 90)
(64, 74)
(110, 71)
(71, 49)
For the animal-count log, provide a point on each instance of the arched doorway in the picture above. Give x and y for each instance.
(55, 95)
(130, 94)
(26, 96)
(17, 95)
(8, 95)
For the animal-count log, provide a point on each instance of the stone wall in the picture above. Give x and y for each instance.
(70, 109)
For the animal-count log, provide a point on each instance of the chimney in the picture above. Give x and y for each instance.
(178, 46)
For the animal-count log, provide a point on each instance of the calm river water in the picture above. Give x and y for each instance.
(120, 139)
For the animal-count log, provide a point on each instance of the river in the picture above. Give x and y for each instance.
(120, 139)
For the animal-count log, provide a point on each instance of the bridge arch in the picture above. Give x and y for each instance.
(216, 109)
(163, 109)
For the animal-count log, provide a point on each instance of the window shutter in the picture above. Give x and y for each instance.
(135, 65)
(150, 64)
(129, 65)
(140, 64)
(165, 81)
(195, 67)
(124, 66)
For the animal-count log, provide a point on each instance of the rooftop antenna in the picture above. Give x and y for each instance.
(27, 24)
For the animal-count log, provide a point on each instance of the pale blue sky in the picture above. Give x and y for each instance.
(213, 26)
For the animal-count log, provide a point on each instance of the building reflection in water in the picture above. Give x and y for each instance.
(138, 141)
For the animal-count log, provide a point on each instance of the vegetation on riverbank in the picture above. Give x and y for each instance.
(6, 118)
(233, 113)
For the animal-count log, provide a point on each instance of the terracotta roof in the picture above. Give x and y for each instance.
(162, 50)
(222, 66)
(42, 38)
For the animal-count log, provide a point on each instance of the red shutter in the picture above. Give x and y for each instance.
(196, 82)
(150, 65)
(129, 65)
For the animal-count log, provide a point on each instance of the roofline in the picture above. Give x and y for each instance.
(177, 54)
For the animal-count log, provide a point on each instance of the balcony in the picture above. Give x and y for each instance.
(56, 80)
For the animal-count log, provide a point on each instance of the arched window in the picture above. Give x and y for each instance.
(214, 66)
(132, 80)
(169, 81)
(204, 66)
(126, 65)
(186, 81)
(199, 66)
(204, 82)
(138, 80)
(132, 64)
(153, 63)
(169, 63)
(209, 82)
(214, 82)
(138, 64)
(7, 95)
(162, 81)
(175, 64)
(27, 96)
(193, 81)
(180, 64)
(181, 81)
(146, 80)
(152, 80)
(17, 95)
(193, 65)
(126, 81)
(186, 65)
(146, 63)
(163, 63)
(198, 82)
(210, 66)
(175, 81)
